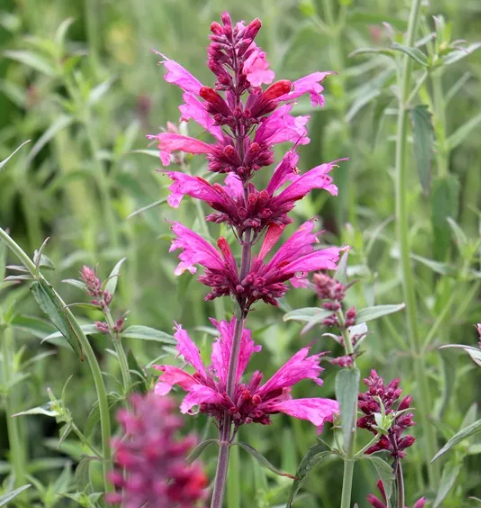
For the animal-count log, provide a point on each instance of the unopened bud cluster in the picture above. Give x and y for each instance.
(101, 298)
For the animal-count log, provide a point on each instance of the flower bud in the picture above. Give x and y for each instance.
(277, 89)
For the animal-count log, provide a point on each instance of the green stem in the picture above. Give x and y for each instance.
(347, 483)
(440, 124)
(89, 354)
(17, 455)
(402, 223)
(400, 485)
(350, 453)
(119, 349)
(85, 441)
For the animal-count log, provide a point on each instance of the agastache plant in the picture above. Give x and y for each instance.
(245, 119)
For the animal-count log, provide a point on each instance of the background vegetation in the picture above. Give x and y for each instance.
(79, 80)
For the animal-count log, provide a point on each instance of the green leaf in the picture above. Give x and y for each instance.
(364, 51)
(2, 163)
(61, 32)
(9, 496)
(82, 474)
(94, 416)
(147, 333)
(76, 283)
(147, 207)
(114, 277)
(473, 352)
(87, 329)
(415, 53)
(134, 366)
(199, 450)
(49, 302)
(37, 327)
(448, 478)
(262, 460)
(314, 455)
(458, 54)
(463, 434)
(371, 313)
(46, 410)
(33, 60)
(60, 123)
(341, 272)
(458, 136)
(385, 472)
(318, 318)
(347, 389)
(305, 314)
(423, 136)
(444, 204)
(99, 91)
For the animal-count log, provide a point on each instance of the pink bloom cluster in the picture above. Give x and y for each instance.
(369, 404)
(377, 503)
(253, 401)
(245, 121)
(150, 459)
(265, 280)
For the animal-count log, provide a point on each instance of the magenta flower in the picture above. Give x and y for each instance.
(265, 281)
(209, 109)
(260, 209)
(377, 503)
(153, 458)
(252, 401)
(369, 405)
(256, 68)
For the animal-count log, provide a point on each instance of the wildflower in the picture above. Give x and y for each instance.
(252, 401)
(253, 209)
(233, 48)
(370, 404)
(92, 282)
(265, 281)
(377, 503)
(154, 458)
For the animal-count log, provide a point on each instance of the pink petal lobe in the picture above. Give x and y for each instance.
(199, 394)
(317, 411)
(187, 348)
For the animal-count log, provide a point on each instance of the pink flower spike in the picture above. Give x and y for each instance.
(170, 142)
(308, 84)
(256, 68)
(285, 171)
(317, 411)
(177, 75)
(420, 503)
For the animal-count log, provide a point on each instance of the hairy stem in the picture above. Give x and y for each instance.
(402, 223)
(89, 354)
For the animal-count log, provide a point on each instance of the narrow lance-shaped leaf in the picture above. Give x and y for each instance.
(114, 277)
(262, 460)
(147, 333)
(371, 313)
(49, 302)
(414, 53)
(448, 479)
(463, 434)
(385, 472)
(423, 144)
(347, 389)
(2, 163)
(199, 450)
(314, 455)
(9, 496)
(305, 314)
(444, 204)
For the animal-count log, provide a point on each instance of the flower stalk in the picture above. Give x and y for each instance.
(89, 355)
(402, 225)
